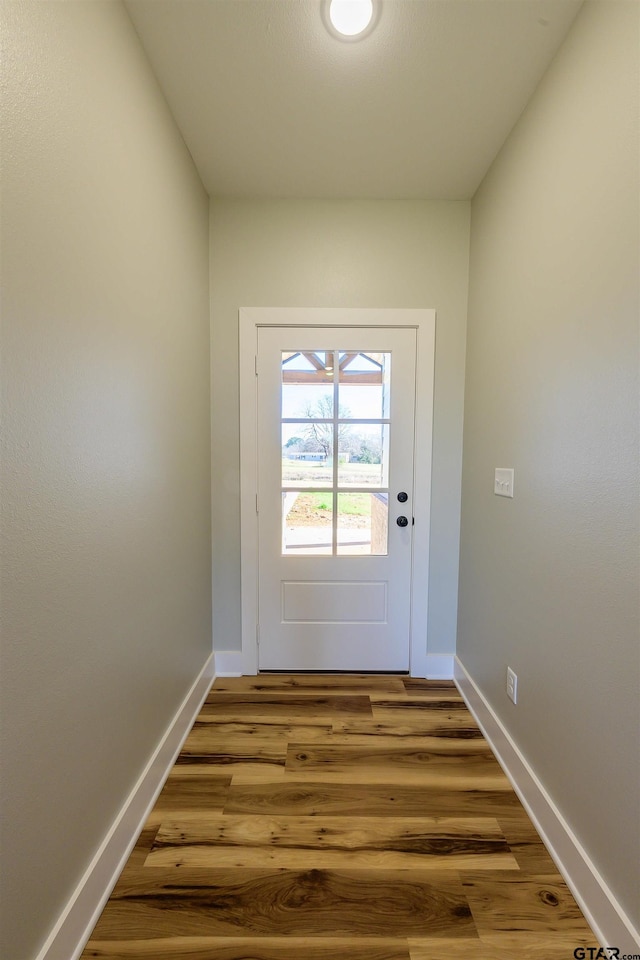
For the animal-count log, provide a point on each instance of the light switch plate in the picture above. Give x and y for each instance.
(503, 483)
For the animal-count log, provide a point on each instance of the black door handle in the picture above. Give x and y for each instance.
(402, 522)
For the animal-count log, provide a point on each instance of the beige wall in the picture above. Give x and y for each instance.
(350, 254)
(549, 581)
(106, 488)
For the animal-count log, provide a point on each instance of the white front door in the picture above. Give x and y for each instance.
(335, 447)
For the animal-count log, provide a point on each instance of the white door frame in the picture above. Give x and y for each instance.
(423, 321)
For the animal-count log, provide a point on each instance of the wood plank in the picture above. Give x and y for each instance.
(428, 743)
(391, 762)
(418, 702)
(435, 717)
(526, 845)
(437, 777)
(411, 727)
(446, 948)
(240, 765)
(519, 946)
(513, 902)
(202, 743)
(241, 705)
(370, 800)
(283, 728)
(141, 850)
(192, 793)
(205, 737)
(244, 948)
(430, 696)
(432, 725)
(332, 843)
(305, 683)
(414, 684)
(240, 772)
(256, 775)
(267, 903)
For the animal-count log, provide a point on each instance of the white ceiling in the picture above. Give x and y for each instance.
(271, 105)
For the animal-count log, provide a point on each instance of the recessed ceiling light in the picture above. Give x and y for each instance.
(351, 18)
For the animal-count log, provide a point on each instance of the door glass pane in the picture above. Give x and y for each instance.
(307, 384)
(363, 389)
(307, 454)
(307, 523)
(362, 524)
(363, 455)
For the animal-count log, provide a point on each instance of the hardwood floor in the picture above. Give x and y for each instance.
(338, 818)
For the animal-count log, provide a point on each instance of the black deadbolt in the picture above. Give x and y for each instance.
(403, 497)
(402, 522)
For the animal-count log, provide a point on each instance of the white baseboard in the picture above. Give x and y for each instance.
(228, 663)
(602, 911)
(439, 666)
(73, 928)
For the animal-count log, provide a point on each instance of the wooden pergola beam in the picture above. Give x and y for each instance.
(321, 376)
(314, 361)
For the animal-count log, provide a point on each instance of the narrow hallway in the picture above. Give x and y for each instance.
(338, 818)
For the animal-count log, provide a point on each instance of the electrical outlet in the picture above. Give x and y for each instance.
(512, 685)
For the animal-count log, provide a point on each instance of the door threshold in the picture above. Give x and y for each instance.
(340, 673)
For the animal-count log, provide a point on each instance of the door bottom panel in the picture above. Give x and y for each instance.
(346, 602)
(318, 647)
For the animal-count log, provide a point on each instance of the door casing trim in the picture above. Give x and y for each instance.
(250, 320)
